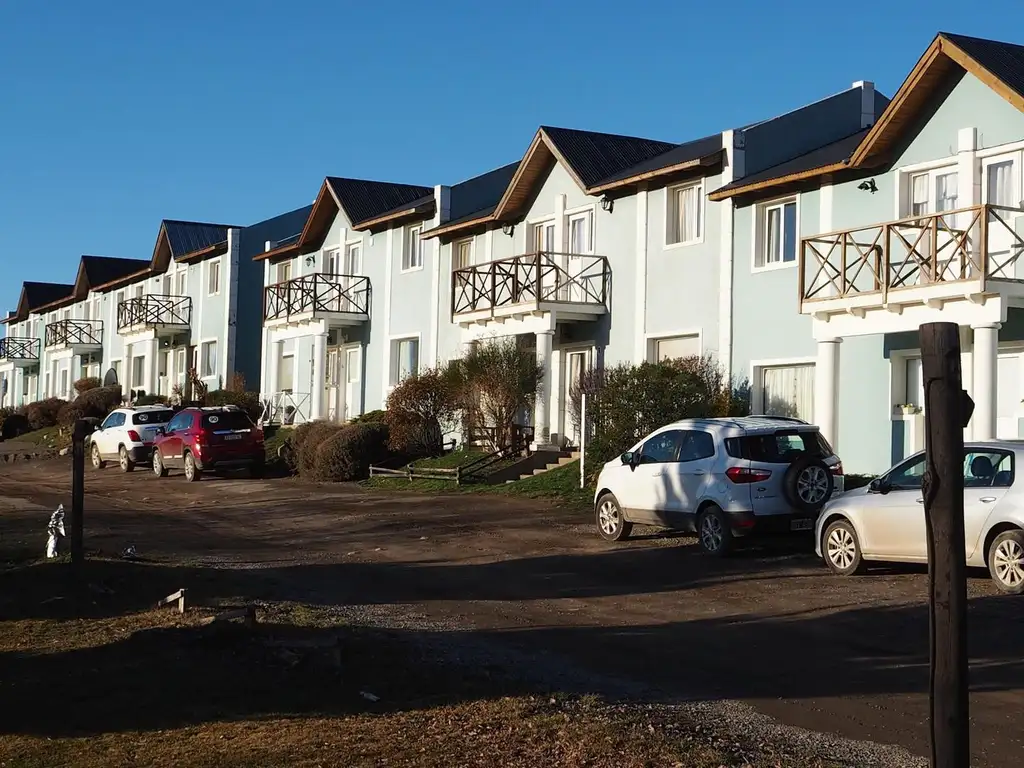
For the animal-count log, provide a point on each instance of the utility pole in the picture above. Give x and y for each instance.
(78, 491)
(948, 408)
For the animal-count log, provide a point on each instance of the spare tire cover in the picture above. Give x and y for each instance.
(808, 484)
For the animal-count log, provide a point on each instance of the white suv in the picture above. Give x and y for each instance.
(127, 435)
(721, 478)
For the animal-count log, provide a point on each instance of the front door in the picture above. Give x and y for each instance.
(1008, 396)
(575, 364)
(333, 385)
(353, 378)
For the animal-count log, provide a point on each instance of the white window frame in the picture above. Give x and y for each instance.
(1017, 157)
(904, 180)
(588, 213)
(280, 269)
(758, 236)
(531, 232)
(181, 282)
(457, 245)
(327, 256)
(200, 350)
(757, 376)
(118, 365)
(672, 214)
(652, 340)
(412, 235)
(393, 356)
(209, 276)
(351, 245)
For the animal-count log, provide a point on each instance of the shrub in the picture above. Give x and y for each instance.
(85, 384)
(422, 409)
(43, 413)
(307, 439)
(370, 417)
(100, 401)
(248, 401)
(69, 413)
(13, 425)
(151, 400)
(348, 453)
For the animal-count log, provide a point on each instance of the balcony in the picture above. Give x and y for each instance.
(20, 351)
(340, 300)
(157, 314)
(923, 261)
(574, 286)
(79, 336)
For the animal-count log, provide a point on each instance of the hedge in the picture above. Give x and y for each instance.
(348, 452)
(85, 384)
(13, 425)
(43, 413)
(248, 401)
(307, 439)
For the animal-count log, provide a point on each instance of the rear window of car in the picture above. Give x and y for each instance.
(781, 447)
(227, 420)
(152, 417)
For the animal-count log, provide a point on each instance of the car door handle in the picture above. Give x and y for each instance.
(987, 499)
(920, 501)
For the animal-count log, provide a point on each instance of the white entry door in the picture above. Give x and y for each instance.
(1000, 186)
(333, 385)
(576, 362)
(1008, 396)
(353, 378)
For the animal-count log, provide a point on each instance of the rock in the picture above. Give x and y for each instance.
(65, 451)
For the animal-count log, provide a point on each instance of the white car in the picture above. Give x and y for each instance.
(885, 521)
(126, 435)
(722, 478)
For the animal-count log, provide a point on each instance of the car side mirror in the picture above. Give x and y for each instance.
(880, 485)
(161, 431)
(629, 458)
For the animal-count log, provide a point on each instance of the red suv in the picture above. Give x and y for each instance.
(208, 439)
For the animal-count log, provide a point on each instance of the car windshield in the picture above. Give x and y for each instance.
(227, 420)
(780, 447)
(152, 417)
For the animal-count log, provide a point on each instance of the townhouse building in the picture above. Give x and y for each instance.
(916, 219)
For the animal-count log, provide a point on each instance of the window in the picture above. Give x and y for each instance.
(908, 475)
(286, 373)
(919, 195)
(115, 419)
(788, 391)
(946, 192)
(213, 278)
(697, 445)
(140, 291)
(674, 347)
(662, 448)
(227, 420)
(581, 232)
(181, 282)
(931, 192)
(116, 368)
(915, 383)
(1001, 183)
(85, 310)
(779, 447)
(353, 255)
(544, 237)
(152, 417)
(284, 272)
(118, 298)
(412, 257)
(462, 254)
(776, 234)
(180, 422)
(330, 262)
(209, 358)
(684, 219)
(988, 469)
(405, 354)
(64, 382)
(138, 372)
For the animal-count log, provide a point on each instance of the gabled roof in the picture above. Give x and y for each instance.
(367, 204)
(100, 270)
(282, 231)
(471, 202)
(189, 241)
(35, 296)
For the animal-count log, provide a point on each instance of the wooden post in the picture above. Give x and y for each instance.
(583, 439)
(947, 411)
(78, 491)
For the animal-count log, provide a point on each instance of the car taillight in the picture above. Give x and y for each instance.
(134, 436)
(741, 475)
(837, 469)
(259, 436)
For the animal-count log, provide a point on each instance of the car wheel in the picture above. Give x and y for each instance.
(127, 465)
(1006, 562)
(713, 532)
(158, 464)
(808, 484)
(841, 549)
(97, 460)
(611, 523)
(192, 472)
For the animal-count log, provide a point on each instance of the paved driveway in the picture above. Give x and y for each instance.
(767, 627)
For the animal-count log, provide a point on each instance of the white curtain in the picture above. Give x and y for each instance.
(408, 358)
(919, 195)
(1000, 183)
(946, 192)
(688, 211)
(789, 391)
(675, 347)
(915, 383)
(579, 234)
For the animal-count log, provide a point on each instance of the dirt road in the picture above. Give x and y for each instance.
(767, 627)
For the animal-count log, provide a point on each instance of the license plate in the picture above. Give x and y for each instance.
(232, 437)
(801, 525)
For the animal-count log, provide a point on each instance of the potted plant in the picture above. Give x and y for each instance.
(909, 409)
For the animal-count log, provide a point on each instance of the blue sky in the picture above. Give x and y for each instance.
(119, 114)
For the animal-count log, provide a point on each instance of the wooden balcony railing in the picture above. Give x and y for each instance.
(317, 294)
(968, 244)
(66, 333)
(532, 279)
(154, 310)
(19, 348)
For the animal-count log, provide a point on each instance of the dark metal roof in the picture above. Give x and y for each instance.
(682, 153)
(417, 203)
(100, 270)
(595, 157)
(188, 237)
(280, 230)
(40, 294)
(365, 200)
(471, 198)
(1004, 60)
(836, 152)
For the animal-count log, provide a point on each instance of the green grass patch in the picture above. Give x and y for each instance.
(47, 437)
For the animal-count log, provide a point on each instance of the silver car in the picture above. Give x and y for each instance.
(722, 478)
(885, 521)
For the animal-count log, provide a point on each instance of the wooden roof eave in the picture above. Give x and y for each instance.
(278, 253)
(442, 230)
(111, 285)
(217, 249)
(705, 161)
(778, 181)
(393, 218)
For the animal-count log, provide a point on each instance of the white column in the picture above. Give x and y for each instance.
(640, 287)
(541, 418)
(152, 366)
(986, 348)
(15, 387)
(273, 351)
(826, 390)
(316, 397)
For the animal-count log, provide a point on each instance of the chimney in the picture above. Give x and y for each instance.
(442, 198)
(867, 103)
(268, 246)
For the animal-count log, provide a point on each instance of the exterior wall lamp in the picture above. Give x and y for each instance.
(607, 204)
(508, 228)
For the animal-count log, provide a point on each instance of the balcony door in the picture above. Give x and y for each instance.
(544, 243)
(332, 385)
(576, 362)
(352, 375)
(1001, 185)
(930, 193)
(350, 269)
